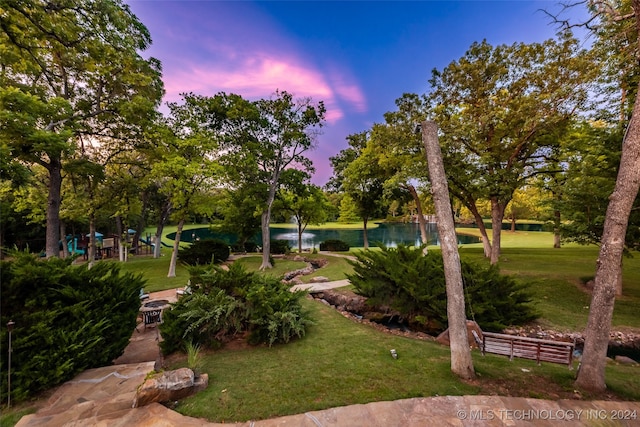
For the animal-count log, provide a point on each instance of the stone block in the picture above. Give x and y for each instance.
(169, 386)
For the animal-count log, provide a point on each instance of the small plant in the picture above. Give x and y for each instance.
(194, 358)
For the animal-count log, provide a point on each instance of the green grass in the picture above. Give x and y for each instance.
(281, 266)
(556, 278)
(155, 271)
(338, 363)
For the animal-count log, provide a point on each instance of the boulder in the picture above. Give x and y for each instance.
(443, 338)
(169, 386)
(318, 279)
(625, 360)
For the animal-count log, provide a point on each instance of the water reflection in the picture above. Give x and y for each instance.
(390, 235)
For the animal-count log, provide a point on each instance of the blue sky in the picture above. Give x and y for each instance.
(358, 57)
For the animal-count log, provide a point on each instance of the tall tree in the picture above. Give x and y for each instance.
(363, 181)
(306, 203)
(494, 106)
(617, 26)
(277, 133)
(400, 151)
(70, 70)
(461, 362)
(190, 166)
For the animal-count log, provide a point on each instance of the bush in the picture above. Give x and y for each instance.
(280, 247)
(247, 246)
(204, 252)
(67, 319)
(334, 245)
(414, 285)
(225, 303)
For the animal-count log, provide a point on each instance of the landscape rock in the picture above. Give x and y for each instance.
(625, 360)
(319, 279)
(169, 386)
(443, 338)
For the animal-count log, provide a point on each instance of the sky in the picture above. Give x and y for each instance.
(357, 57)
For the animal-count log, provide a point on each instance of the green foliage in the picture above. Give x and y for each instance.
(225, 303)
(67, 319)
(194, 358)
(414, 285)
(280, 247)
(334, 245)
(205, 252)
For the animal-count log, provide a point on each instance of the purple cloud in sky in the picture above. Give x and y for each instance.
(356, 56)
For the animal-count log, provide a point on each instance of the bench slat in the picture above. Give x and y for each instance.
(528, 348)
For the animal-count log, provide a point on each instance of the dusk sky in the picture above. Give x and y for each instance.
(358, 57)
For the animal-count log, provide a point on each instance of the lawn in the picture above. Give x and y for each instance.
(341, 362)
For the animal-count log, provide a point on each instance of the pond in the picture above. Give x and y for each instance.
(390, 234)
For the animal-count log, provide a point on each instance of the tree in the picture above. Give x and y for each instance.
(307, 204)
(265, 138)
(461, 362)
(400, 151)
(363, 182)
(606, 22)
(69, 71)
(241, 208)
(189, 166)
(495, 107)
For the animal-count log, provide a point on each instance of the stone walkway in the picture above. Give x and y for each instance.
(103, 397)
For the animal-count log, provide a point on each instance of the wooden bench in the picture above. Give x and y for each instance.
(527, 348)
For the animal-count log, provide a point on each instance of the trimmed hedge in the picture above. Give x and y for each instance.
(67, 319)
(280, 247)
(334, 245)
(204, 252)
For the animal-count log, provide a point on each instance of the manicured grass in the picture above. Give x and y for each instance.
(338, 363)
(341, 362)
(557, 279)
(281, 266)
(155, 271)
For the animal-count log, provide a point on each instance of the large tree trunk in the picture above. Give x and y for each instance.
(266, 239)
(122, 243)
(266, 221)
(365, 237)
(461, 362)
(300, 230)
(422, 223)
(176, 247)
(486, 243)
(92, 240)
(609, 264)
(52, 248)
(497, 214)
(556, 229)
(63, 239)
(164, 216)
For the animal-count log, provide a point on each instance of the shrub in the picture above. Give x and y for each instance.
(67, 319)
(203, 252)
(225, 303)
(247, 246)
(334, 245)
(414, 285)
(280, 247)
